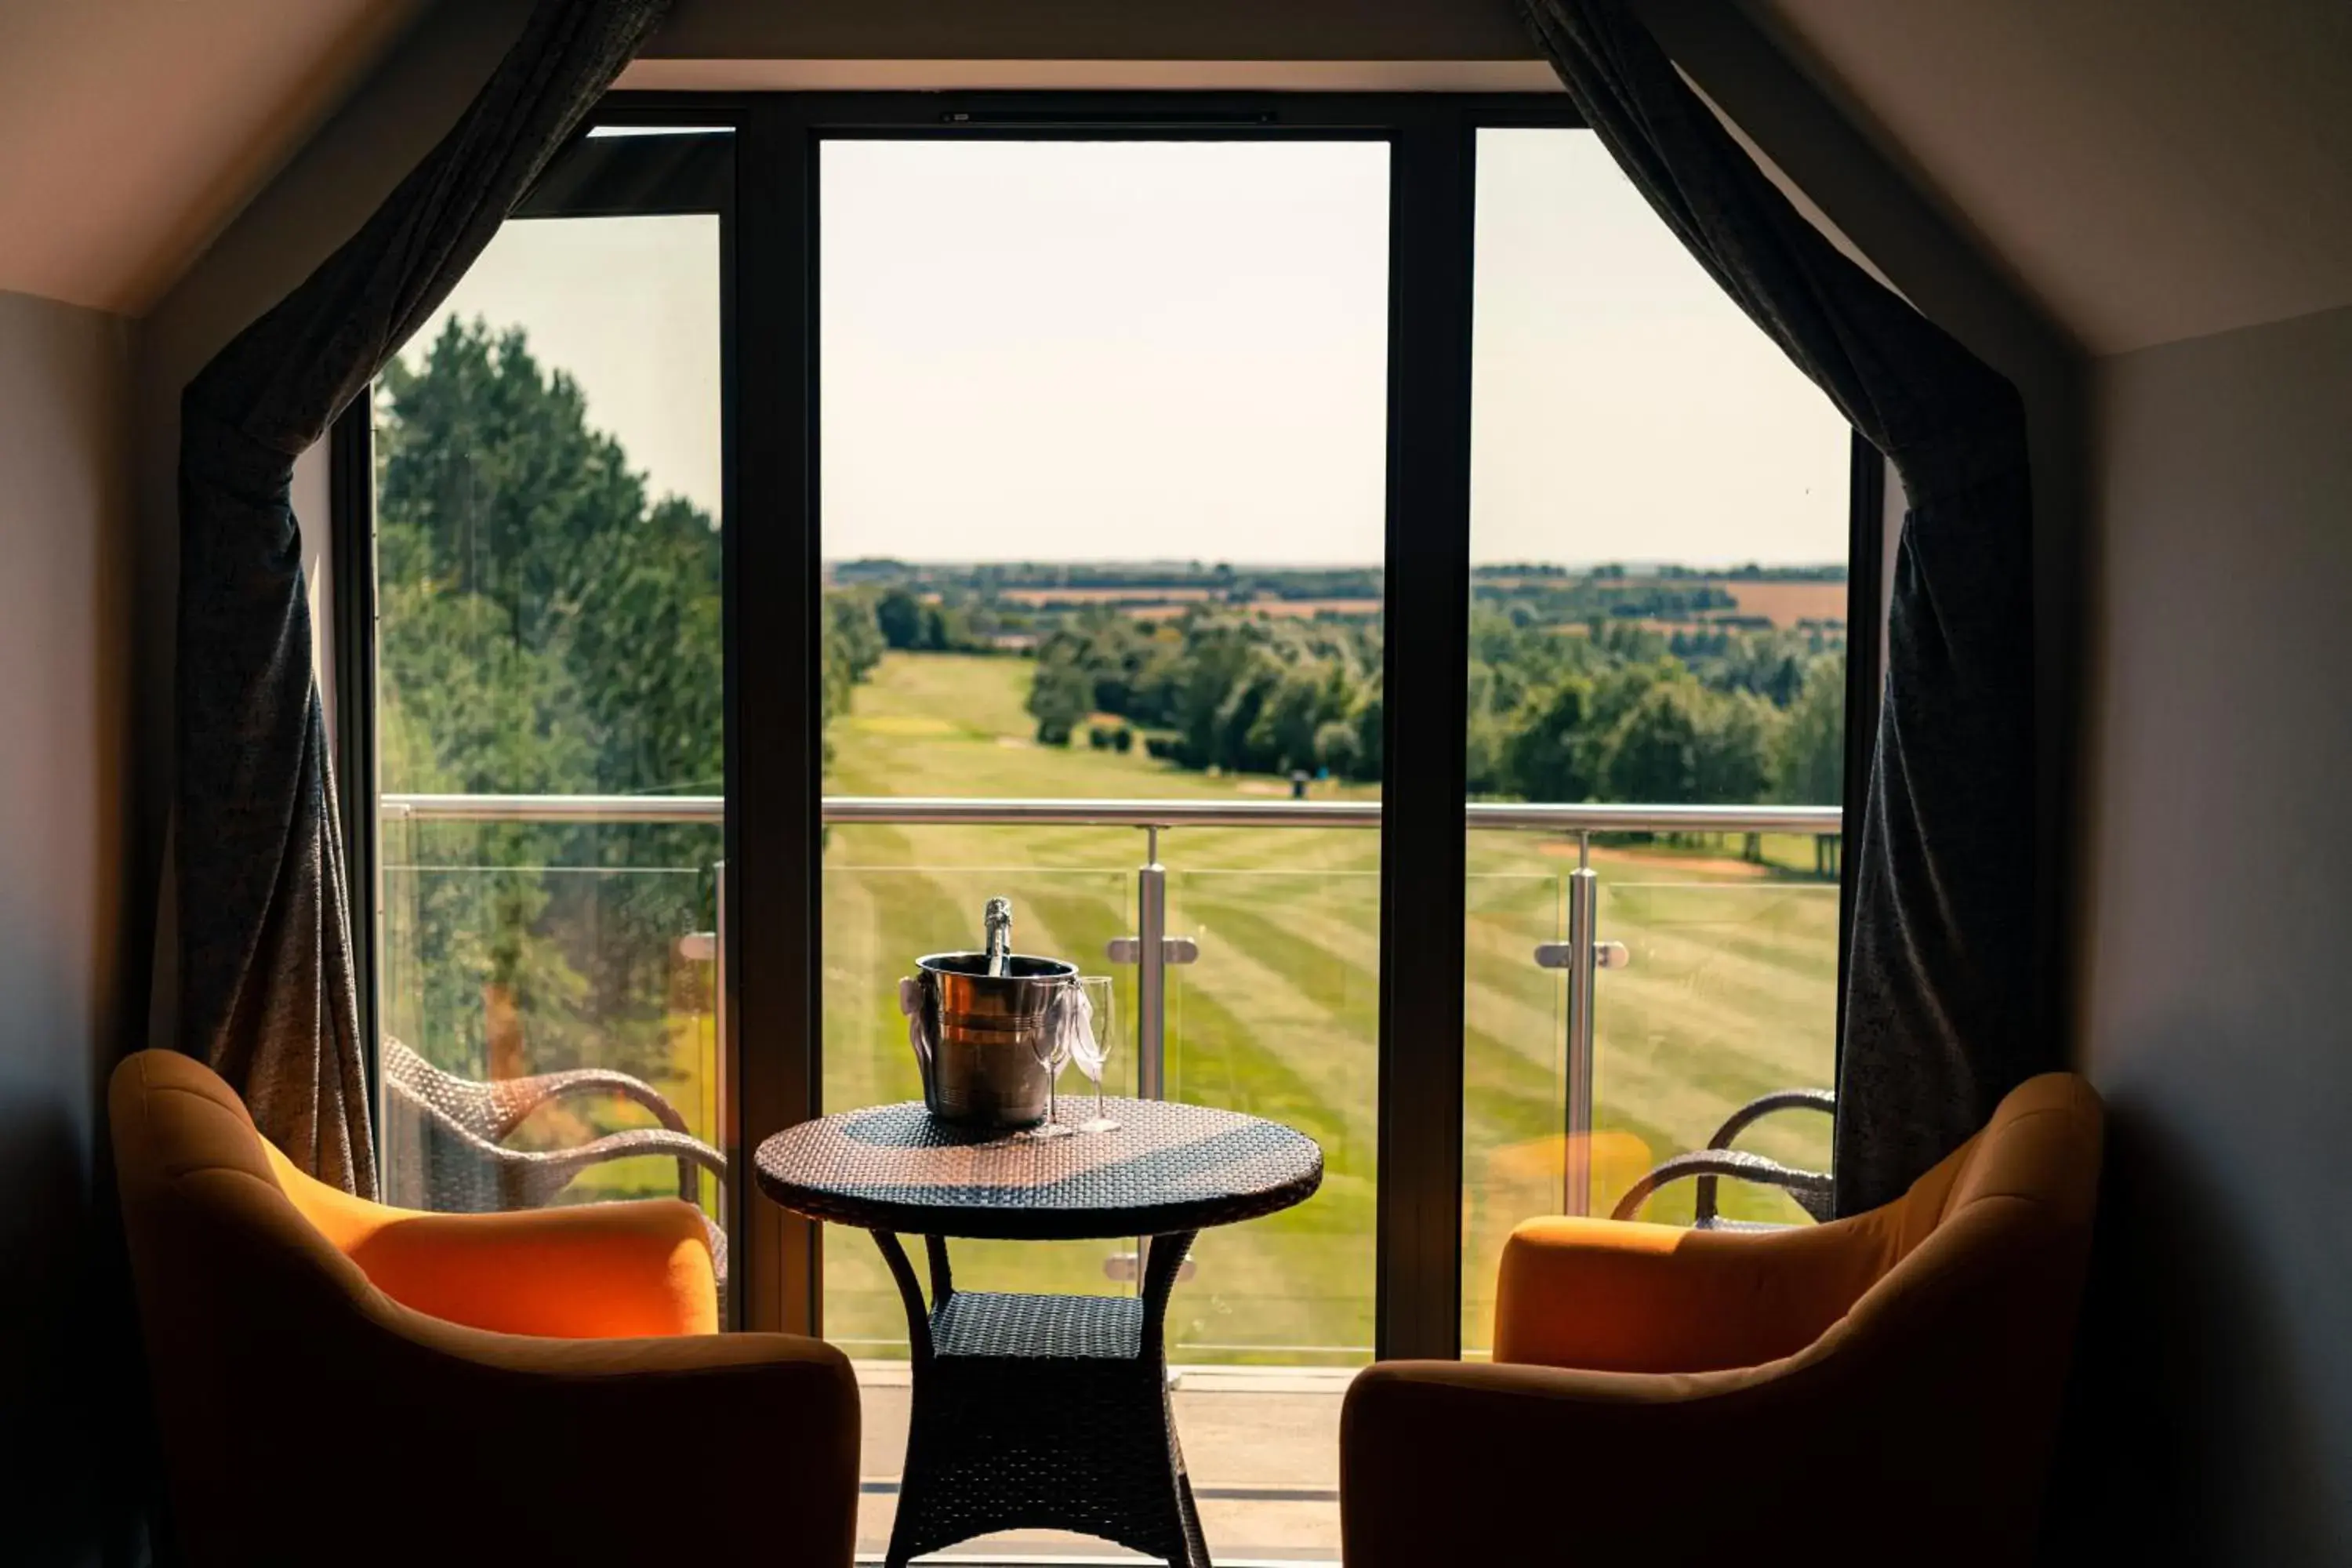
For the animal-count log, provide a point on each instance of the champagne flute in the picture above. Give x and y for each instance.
(1090, 1041)
(1052, 1048)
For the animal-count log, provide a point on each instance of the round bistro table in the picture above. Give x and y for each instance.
(1041, 1411)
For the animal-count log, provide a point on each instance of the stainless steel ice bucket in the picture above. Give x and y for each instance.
(977, 1036)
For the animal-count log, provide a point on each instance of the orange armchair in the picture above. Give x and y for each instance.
(339, 1381)
(1879, 1389)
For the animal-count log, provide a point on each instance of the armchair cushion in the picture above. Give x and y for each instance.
(586, 1271)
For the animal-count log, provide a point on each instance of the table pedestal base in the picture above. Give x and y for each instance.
(1041, 1413)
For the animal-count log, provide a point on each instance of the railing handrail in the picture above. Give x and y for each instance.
(921, 811)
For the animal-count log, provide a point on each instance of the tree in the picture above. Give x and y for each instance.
(1653, 755)
(1736, 738)
(1371, 735)
(900, 617)
(547, 627)
(1550, 755)
(1336, 748)
(1060, 698)
(1809, 761)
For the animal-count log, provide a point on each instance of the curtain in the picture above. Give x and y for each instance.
(1938, 1001)
(268, 990)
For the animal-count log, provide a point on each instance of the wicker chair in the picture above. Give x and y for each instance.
(1811, 1189)
(445, 1138)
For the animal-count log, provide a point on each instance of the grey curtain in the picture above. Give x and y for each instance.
(266, 987)
(1938, 1022)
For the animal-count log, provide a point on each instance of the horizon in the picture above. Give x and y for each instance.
(1166, 563)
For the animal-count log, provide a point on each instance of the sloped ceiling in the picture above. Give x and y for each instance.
(131, 129)
(2148, 170)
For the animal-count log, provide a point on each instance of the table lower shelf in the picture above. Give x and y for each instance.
(1044, 1411)
(985, 1324)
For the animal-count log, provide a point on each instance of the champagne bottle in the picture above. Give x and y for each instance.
(996, 918)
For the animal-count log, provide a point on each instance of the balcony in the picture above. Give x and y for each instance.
(1634, 974)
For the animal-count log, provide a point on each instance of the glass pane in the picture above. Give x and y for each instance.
(1658, 540)
(548, 580)
(1104, 455)
(1731, 990)
(1279, 1015)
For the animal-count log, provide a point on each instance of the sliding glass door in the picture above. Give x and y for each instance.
(1102, 453)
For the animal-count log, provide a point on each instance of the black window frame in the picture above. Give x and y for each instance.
(773, 966)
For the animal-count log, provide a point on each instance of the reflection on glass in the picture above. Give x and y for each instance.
(1658, 541)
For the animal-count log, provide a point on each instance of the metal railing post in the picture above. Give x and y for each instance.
(1583, 904)
(725, 1098)
(1151, 971)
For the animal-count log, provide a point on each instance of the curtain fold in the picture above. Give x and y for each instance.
(1939, 1015)
(267, 994)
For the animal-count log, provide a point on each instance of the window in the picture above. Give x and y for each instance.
(1659, 530)
(1317, 540)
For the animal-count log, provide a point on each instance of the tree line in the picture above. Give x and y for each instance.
(1603, 710)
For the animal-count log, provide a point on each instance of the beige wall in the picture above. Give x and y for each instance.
(71, 953)
(2217, 995)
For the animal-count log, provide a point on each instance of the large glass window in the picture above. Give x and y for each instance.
(548, 720)
(1659, 528)
(789, 536)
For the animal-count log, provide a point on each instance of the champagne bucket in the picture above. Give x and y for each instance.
(977, 1036)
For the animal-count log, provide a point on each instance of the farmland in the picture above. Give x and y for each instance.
(1731, 994)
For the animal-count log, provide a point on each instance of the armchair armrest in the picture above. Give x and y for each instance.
(1448, 1462)
(1613, 1296)
(760, 1432)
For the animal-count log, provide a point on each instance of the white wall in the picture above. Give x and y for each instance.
(2217, 937)
(69, 944)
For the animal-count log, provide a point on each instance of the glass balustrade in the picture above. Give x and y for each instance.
(516, 947)
(514, 950)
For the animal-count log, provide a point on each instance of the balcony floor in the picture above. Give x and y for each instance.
(1262, 1444)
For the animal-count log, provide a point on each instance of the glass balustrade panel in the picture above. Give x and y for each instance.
(1729, 991)
(1276, 1013)
(511, 951)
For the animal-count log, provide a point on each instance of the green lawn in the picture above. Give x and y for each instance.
(1731, 992)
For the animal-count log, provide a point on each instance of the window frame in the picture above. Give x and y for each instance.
(771, 966)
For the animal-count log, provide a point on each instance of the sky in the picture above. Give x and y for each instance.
(1092, 350)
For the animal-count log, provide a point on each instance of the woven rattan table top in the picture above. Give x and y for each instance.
(1168, 1168)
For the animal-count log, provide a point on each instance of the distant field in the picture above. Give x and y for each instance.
(1786, 604)
(1731, 992)
(1783, 603)
(1104, 595)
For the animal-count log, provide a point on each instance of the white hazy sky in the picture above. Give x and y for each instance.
(1092, 350)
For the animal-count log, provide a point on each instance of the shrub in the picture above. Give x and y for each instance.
(1122, 740)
